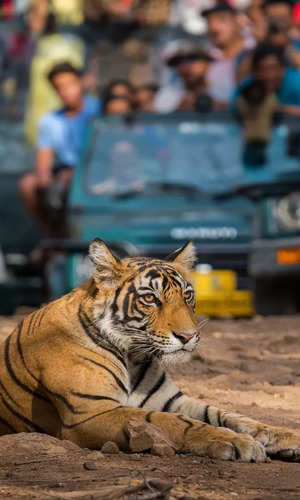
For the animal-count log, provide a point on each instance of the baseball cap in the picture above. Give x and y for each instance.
(218, 7)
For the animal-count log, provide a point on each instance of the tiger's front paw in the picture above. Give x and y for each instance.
(285, 445)
(225, 444)
(239, 447)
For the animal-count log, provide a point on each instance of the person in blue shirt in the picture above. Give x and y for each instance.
(59, 143)
(269, 67)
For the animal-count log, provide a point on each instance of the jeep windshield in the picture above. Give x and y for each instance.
(175, 155)
(167, 155)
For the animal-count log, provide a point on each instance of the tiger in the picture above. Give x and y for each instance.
(82, 367)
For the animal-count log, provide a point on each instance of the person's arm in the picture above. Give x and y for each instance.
(244, 68)
(294, 56)
(45, 152)
(43, 165)
(290, 110)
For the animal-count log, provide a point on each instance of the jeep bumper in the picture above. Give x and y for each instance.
(275, 258)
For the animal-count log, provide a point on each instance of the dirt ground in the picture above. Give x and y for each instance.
(251, 366)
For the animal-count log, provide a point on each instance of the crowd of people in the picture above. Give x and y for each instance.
(78, 59)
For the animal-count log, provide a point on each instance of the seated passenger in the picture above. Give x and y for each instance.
(117, 105)
(269, 67)
(58, 147)
(118, 88)
(144, 97)
(191, 64)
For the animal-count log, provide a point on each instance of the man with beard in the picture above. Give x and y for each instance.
(191, 65)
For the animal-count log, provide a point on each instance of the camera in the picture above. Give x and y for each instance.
(254, 93)
(203, 103)
(274, 28)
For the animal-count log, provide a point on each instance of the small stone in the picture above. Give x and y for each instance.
(90, 466)
(144, 436)
(162, 450)
(95, 455)
(110, 448)
(57, 485)
(134, 457)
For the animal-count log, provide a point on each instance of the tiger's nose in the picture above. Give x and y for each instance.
(184, 337)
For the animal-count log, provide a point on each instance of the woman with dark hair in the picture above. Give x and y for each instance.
(116, 105)
(118, 88)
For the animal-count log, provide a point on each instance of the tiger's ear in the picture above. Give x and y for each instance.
(108, 268)
(185, 256)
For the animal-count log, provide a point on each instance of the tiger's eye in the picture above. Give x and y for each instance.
(149, 298)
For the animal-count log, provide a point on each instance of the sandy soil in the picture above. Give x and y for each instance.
(250, 366)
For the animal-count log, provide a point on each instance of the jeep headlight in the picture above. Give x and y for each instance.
(288, 212)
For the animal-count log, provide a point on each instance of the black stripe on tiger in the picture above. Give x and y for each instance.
(93, 290)
(56, 395)
(71, 426)
(85, 323)
(8, 395)
(114, 306)
(43, 312)
(170, 401)
(189, 424)
(13, 375)
(141, 375)
(9, 426)
(93, 396)
(93, 333)
(219, 419)
(35, 319)
(154, 389)
(206, 415)
(237, 453)
(114, 353)
(125, 307)
(26, 421)
(118, 381)
(148, 416)
(30, 323)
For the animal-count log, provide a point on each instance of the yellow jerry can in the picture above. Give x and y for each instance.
(217, 294)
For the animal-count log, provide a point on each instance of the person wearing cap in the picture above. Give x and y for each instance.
(228, 47)
(190, 63)
(278, 27)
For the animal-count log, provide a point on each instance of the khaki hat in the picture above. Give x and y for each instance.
(188, 52)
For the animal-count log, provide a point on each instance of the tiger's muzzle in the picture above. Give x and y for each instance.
(185, 337)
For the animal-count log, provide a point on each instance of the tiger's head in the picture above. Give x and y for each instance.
(146, 306)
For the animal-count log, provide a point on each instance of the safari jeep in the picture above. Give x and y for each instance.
(149, 183)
